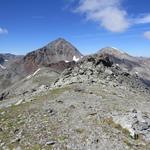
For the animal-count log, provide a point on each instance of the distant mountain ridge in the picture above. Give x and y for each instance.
(59, 55)
(134, 65)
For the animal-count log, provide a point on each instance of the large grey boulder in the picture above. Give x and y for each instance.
(137, 123)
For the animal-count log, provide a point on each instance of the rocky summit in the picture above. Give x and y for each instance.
(55, 51)
(60, 100)
(98, 68)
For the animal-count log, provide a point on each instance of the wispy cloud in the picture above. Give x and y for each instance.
(3, 30)
(143, 19)
(110, 14)
(147, 35)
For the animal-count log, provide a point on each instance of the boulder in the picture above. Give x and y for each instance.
(136, 122)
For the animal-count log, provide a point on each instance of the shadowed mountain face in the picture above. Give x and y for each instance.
(1, 59)
(135, 65)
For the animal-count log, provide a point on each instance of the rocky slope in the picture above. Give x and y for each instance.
(99, 102)
(99, 67)
(97, 106)
(135, 65)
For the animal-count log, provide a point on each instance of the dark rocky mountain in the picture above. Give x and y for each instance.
(135, 65)
(54, 52)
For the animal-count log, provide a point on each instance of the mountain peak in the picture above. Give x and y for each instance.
(54, 52)
(59, 41)
(112, 51)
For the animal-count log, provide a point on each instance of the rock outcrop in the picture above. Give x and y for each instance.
(97, 68)
(137, 123)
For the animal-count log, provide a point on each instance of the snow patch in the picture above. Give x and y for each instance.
(32, 75)
(2, 67)
(66, 61)
(6, 60)
(75, 58)
(36, 72)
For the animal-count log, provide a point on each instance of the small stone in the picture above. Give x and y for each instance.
(72, 107)
(20, 102)
(109, 72)
(92, 114)
(91, 92)
(50, 143)
(16, 131)
(51, 112)
(134, 111)
(33, 90)
(59, 101)
(78, 90)
(16, 140)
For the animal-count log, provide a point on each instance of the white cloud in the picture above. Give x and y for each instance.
(142, 20)
(108, 13)
(3, 31)
(147, 35)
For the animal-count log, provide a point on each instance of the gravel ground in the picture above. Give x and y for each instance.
(75, 117)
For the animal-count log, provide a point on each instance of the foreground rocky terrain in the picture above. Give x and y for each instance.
(94, 104)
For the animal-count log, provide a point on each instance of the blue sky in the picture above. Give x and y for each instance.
(90, 25)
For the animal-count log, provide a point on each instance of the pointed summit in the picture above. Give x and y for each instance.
(58, 40)
(54, 52)
(61, 43)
